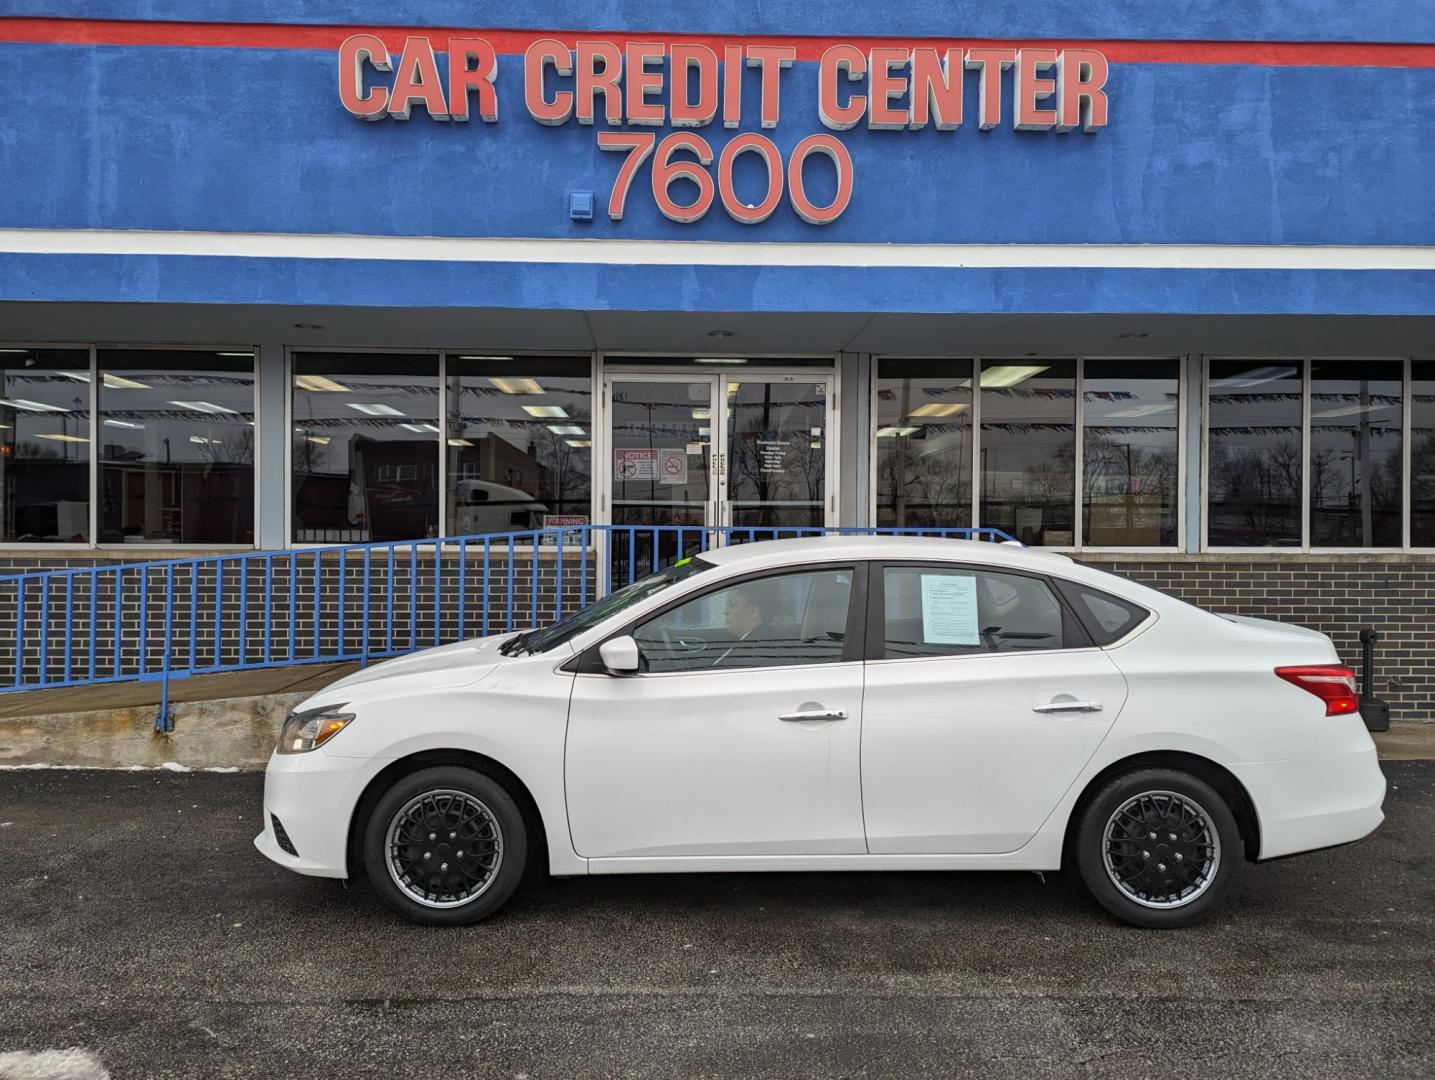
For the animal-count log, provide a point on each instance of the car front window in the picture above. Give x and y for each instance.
(549, 637)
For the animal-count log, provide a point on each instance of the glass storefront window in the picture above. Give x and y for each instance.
(366, 437)
(520, 442)
(1356, 459)
(1253, 454)
(45, 445)
(1028, 449)
(924, 443)
(1130, 452)
(176, 446)
(1422, 453)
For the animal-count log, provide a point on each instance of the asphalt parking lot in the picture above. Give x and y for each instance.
(138, 922)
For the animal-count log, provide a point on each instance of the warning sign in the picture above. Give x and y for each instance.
(635, 464)
(673, 466)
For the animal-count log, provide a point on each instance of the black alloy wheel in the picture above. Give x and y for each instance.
(1158, 848)
(446, 846)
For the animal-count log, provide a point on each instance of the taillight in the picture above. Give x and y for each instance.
(1332, 683)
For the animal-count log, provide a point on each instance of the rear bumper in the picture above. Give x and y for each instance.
(1331, 796)
(313, 795)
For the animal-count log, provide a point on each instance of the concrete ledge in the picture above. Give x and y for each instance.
(229, 732)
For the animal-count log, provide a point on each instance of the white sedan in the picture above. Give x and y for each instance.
(836, 703)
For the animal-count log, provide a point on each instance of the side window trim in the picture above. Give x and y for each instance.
(852, 645)
(1073, 631)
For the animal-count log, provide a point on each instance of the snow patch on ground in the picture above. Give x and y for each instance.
(168, 766)
(72, 1064)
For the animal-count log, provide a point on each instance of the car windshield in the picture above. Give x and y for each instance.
(547, 637)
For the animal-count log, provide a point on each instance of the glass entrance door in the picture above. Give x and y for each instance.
(776, 468)
(750, 450)
(661, 466)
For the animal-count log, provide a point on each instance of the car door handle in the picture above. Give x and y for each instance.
(1068, 706)
(814, 714)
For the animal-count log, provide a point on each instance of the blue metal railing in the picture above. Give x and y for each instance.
(166, 620)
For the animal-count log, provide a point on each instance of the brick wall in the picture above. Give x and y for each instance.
(1337, 595)
(266, 609)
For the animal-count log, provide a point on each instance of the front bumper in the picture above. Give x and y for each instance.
(1331, 796)
(314, 796)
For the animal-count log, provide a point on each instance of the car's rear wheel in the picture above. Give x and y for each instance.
(1158, 848)
(446, 846)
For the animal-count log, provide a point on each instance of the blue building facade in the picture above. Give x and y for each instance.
(1153, 286)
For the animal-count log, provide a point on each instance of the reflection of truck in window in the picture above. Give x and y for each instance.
(481, 506)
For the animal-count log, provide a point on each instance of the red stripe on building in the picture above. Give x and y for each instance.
(269, 36)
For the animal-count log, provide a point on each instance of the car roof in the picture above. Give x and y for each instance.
(765, 553)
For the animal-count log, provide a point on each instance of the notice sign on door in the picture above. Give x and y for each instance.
(771, 453)
(635, 464)
(673, 466)
(949, 610)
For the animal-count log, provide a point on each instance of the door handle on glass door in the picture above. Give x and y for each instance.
(1068, 706)
(814, 714)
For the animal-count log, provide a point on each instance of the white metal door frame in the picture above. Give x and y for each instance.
(718, 510)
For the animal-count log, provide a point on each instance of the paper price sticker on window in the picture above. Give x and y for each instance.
(949, 610)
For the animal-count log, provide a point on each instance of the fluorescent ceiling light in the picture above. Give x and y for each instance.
(373, 410)
(896, 432)
(319, 384)
(485, 358)
(546, 412)
(721, 360)
(31, 406)
(124, 424)
(1009, 374)
(205, 407)
(119, 382)
(114, 382)
(1255, 377)
(579, 444)
(1347, 410)
(248, 354)
(702, 414)
(321, 440)
(20, 352)
(939, 408)
(63, 438)
(202, 441)
(1138, 410)
(420, 428)
(565, 429)
(513, 386)
(459, 442)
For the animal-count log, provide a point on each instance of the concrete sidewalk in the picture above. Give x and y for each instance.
(232, 720)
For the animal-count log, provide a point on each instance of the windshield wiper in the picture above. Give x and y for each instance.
(513, 644)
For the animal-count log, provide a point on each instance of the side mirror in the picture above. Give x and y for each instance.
(619, 656)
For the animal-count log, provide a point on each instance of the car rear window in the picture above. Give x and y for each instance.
(1107, 618)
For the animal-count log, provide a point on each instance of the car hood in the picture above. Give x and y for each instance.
(457, 664)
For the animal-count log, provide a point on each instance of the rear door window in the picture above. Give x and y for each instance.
(951, 611)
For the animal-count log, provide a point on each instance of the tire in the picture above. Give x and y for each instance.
(1148, 880)
(412, 849)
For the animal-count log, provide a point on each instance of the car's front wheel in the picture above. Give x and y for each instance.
(1158, 848)
(446, 846)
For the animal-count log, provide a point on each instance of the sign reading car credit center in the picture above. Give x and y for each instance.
(686, 85)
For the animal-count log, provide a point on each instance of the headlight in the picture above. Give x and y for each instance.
(312, 728)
